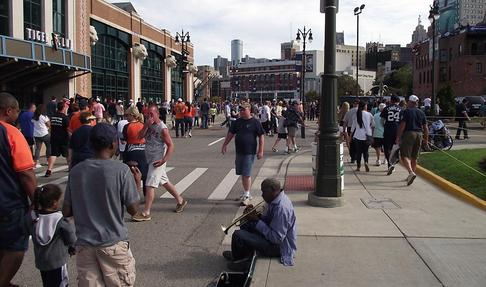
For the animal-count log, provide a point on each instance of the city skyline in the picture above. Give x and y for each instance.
(213, 24)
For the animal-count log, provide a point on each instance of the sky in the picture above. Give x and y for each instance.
(263, 24)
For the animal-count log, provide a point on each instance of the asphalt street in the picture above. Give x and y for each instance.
(177, 249)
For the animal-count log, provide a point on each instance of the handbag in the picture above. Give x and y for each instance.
(369, 140)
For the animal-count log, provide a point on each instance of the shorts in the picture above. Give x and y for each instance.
(156, 176)
(410, 144)
(377, 142)
(105, 266)
(59, 148)
(282, 136)
(244, 164)
(292, 131)
(13, 236)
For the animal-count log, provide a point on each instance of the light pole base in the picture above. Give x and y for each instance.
(326, 202)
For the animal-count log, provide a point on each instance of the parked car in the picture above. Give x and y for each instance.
(474, 105)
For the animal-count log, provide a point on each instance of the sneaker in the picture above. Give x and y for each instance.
(139, 217)
(190, 134)
(378, 163)
(391, 168)
(38, 165)
(411, 177)
(358, 169)
(367, 168)
(48, 173)
(274, 149)
(245, 200)
(228, 255)
(180, 207)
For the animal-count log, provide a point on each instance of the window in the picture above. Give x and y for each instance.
(479, 68)
(110, 77)
(152, 74)
(32, 14)
(176, 76)
(4, 27)
(59, 17)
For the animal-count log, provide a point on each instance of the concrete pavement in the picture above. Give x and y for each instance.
(414, 235)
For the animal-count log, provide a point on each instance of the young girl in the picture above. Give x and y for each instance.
(52, 235)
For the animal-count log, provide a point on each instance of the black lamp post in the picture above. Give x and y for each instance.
(305, 36)
(328, 181)
(433, 17)
(357, 11)
(183, 39)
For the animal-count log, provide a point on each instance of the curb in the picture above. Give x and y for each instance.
(451, 188)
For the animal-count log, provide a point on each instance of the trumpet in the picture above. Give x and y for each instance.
(242, 218)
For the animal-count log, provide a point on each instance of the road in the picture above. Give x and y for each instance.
(178, 249)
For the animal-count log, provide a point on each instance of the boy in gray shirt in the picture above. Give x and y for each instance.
(96, 192)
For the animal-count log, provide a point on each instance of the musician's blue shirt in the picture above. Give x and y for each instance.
(278, 226)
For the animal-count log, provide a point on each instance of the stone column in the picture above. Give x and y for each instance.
(16, 19)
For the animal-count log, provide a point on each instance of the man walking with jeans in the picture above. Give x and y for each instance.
(97, 191)
(411, 133)
(247, 129)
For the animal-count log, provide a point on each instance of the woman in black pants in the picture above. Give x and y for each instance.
(362, 128)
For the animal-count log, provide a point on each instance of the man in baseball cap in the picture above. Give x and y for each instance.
(412, 132)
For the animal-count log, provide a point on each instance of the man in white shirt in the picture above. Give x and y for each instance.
(265, 117)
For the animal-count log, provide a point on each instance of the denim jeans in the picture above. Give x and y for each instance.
(247, 240)
(180, 123)
(204, 121)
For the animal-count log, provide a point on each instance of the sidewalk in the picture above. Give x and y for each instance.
(418, 236)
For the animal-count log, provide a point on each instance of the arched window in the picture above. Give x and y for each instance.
(153, 74)
(110, 76)
(4, 10)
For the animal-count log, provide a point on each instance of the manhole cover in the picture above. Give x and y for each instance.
(383, 203)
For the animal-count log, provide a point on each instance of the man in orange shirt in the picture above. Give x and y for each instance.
(18, 183)
(180, 110)
(75, 122)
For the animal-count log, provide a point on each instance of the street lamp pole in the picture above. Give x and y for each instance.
(183, 38)
(357, 11)
(328, 181)
(433, 17)
(306, 35)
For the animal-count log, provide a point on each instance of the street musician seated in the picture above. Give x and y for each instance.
(272, 234)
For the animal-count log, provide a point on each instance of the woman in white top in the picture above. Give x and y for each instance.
(41, 133)
(362, 126)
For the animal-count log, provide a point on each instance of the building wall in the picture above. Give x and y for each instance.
(236, 51)
(458, 64)
(135, 26)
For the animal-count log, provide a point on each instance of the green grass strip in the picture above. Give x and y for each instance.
(456, 172)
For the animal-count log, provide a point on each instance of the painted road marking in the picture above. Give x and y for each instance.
(63, 167)
(216, 141)
(189, 179)
(224, 188)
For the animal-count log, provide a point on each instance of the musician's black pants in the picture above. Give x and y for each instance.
(246, 240)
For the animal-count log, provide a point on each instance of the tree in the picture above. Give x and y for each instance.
(347, 86)
(400, 80)
(311, 96)
(447, 102)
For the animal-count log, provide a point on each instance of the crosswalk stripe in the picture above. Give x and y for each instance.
(224, 188)
(59, 168)
(57, 181)
(189, 179)
(216, 141)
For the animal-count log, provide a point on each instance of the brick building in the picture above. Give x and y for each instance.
(460, 62)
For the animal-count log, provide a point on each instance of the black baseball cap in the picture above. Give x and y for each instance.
(103, 133)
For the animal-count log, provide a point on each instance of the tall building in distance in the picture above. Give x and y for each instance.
(457, 13)
(288, 50)
(236, 51)
(340, 38)
(222, 65)
(419, 34)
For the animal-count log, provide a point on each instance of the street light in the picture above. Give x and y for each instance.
(357, 11)
(433, 17)
(183, 39)
(306, 35)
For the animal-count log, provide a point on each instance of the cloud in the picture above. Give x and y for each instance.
(263, 24)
